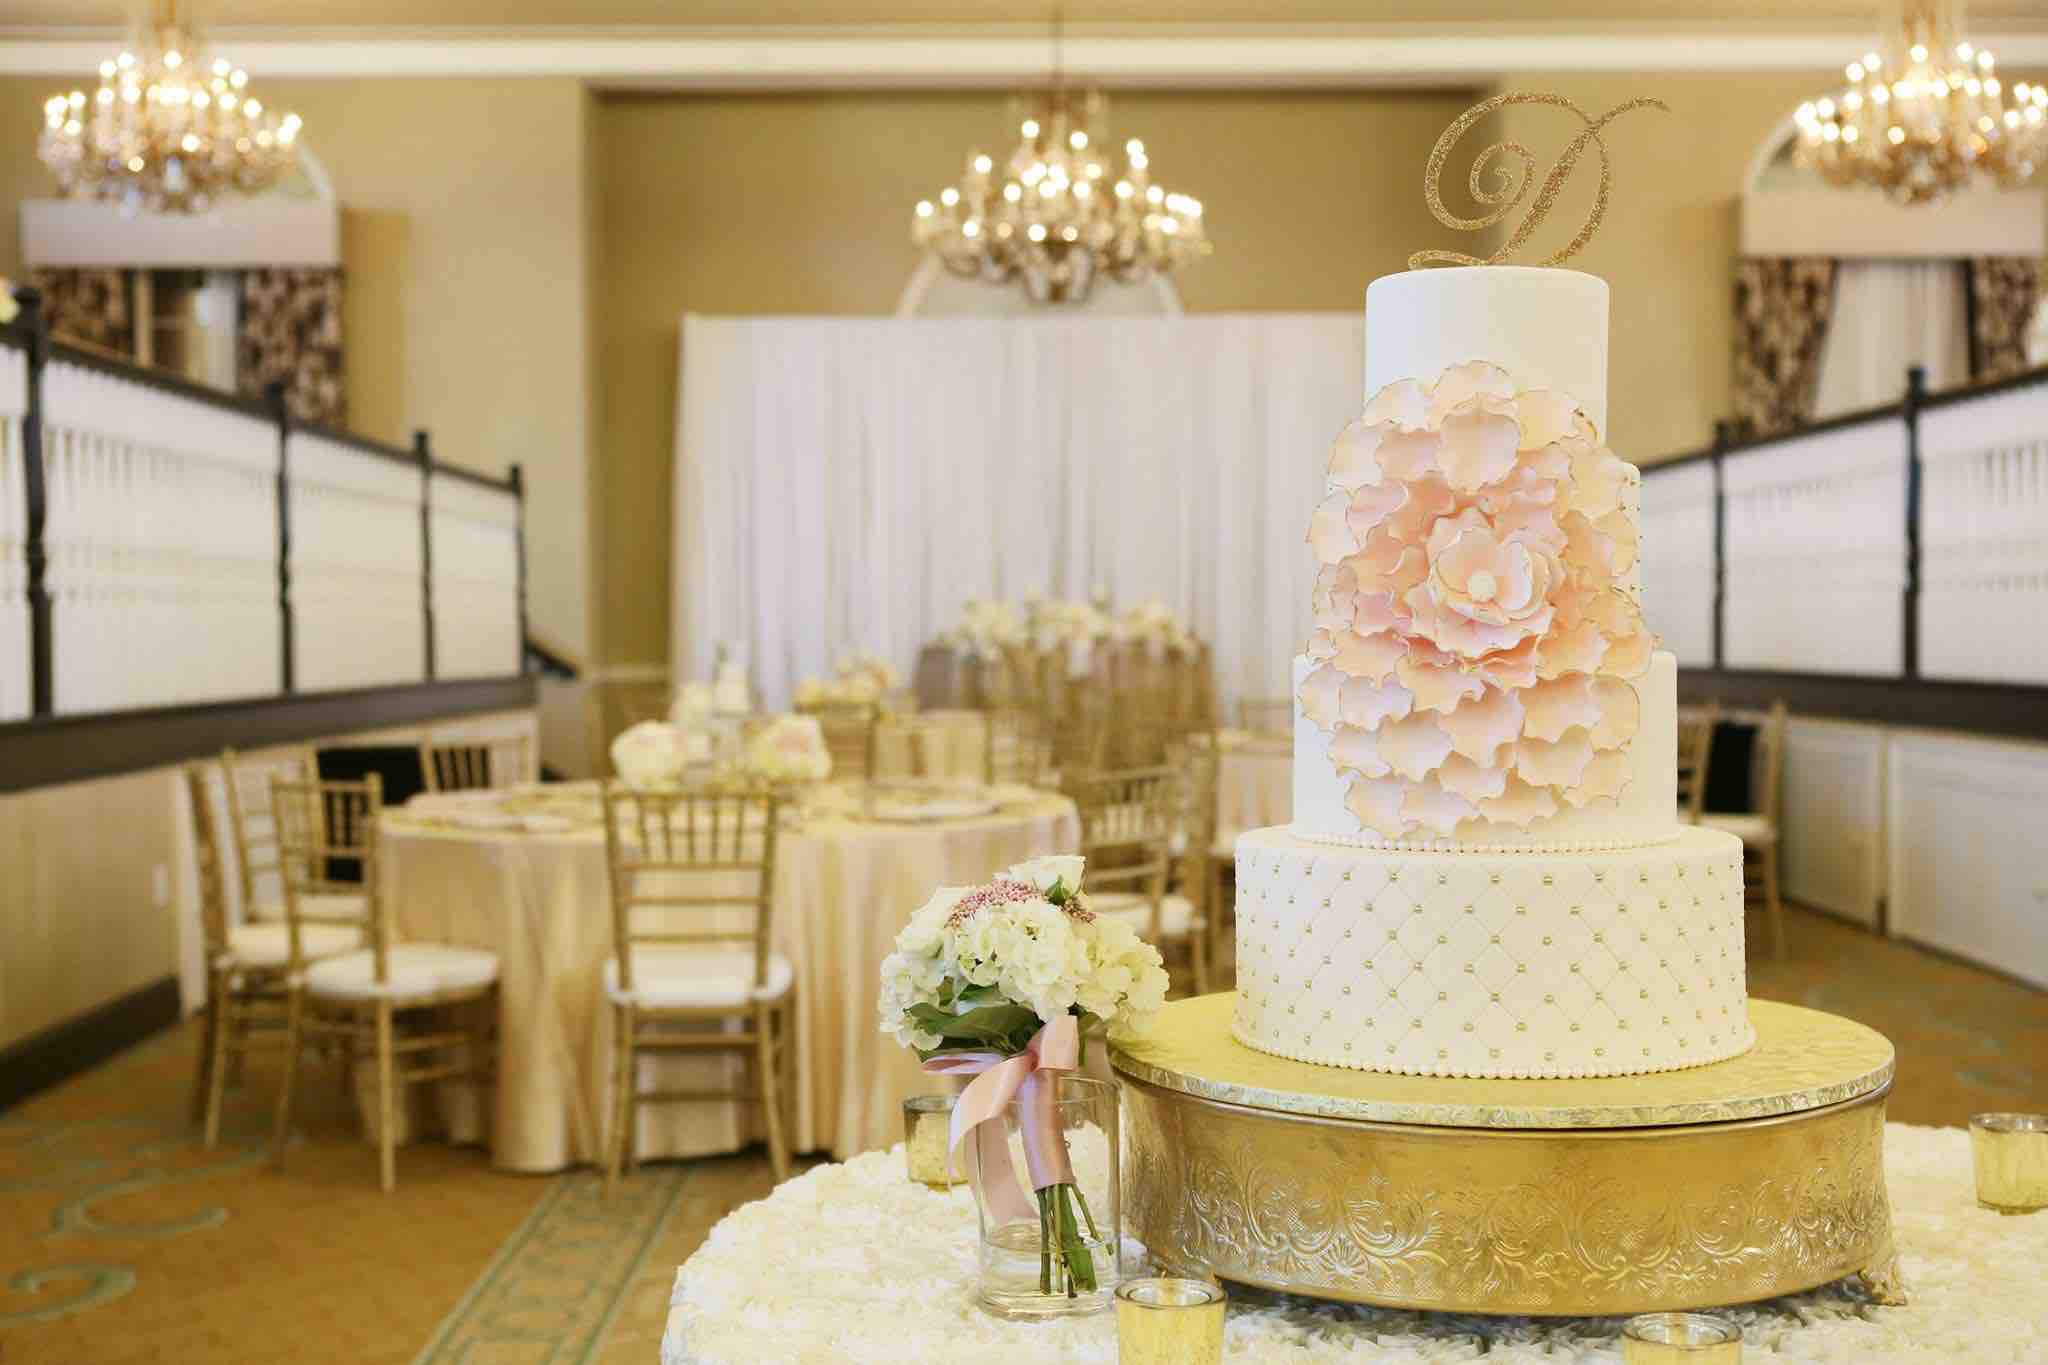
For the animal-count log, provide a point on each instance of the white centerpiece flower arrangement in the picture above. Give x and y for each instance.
(860, 679)
(656, 753)
(787, 749)
(1005, 982)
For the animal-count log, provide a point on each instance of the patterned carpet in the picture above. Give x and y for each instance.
(121, 1241)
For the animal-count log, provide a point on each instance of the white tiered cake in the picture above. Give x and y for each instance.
(1485, 875)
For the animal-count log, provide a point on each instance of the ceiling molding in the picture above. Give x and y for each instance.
(1344, 57)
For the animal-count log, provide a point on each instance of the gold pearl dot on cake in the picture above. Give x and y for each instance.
(1470, 969)
(1546, 940)
(1550, 1000)
(1442, 995)
(1521, 1027)
(1468, 1028)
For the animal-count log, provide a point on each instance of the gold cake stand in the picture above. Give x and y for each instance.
(1758, 1176)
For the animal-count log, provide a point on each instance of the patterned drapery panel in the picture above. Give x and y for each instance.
(1782, 307)
(291, 331)
(89, 306)
(2004, 291)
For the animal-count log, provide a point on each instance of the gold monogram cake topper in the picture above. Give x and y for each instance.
(1508, 190)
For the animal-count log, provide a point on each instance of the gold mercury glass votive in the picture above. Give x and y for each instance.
(2010, 1152)
(1169, 1322)
(927, 1124)
(1680, 1339)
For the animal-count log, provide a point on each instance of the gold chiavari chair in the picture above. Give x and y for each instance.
(469, 762)
(1695, 746)
(849, 732)
(1129, 820)
(612, 708)
(1017, 747)
(693, 895)
(327, 831)
(1758, 826)
(245, 963)
(1200, 758)
(254, 824)
(1266, 715)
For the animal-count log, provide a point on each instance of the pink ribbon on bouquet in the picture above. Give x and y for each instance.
(1030, 1078)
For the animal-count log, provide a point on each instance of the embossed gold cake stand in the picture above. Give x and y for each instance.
(1757, 1176)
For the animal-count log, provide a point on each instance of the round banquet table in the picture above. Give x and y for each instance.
(1254, 781)
(946, 742)
(537, 895)
(853, 1263)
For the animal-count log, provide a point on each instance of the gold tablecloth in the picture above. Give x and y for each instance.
(1254, 781)
(939, 743)
(844, 887)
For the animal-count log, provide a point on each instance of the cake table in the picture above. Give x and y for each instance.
(1742, 1180)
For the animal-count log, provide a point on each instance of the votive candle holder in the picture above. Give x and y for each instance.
(2010, 1152)
(1680, 1339)
(1169, 1321)
(927, 1141)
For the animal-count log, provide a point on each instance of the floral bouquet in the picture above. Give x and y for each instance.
(1153, 624)
(1004, 982)
(987, 626)
(788, 749)
(859, 679)
(656, 753)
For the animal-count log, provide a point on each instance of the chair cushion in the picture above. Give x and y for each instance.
(416, 970)
(1176, 913)
(327, 907)
(1753, 830)
(269, 945)
(678, 976)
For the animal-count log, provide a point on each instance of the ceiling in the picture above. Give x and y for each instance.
(1985, 15)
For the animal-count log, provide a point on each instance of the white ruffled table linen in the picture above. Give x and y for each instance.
(946, 742)
(540, 900)
(1254, 781)
(852, 1263)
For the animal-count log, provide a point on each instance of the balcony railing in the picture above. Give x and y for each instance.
(164, 544)
(1889, 564)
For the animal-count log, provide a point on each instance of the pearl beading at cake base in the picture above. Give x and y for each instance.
(1517, 965)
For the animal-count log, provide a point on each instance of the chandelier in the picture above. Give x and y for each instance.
(168, 130)
(1926, 115)
(1059, 213)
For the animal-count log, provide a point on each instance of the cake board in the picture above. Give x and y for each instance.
(1742, 1180)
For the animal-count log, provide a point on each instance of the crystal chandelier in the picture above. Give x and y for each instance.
(168, 130)
(1059, 213)
(1926, 115)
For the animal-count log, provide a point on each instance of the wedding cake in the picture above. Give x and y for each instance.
(1486, 874)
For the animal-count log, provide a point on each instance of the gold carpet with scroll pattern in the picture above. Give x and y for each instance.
(121, 1241)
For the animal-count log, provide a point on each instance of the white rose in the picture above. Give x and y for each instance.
(692, 706)
(1044, 872)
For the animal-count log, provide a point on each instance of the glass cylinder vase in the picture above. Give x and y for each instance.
(1049, 1252)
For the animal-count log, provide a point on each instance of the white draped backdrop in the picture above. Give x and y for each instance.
(846, 484)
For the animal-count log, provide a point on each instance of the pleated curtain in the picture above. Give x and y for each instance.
(847, 484)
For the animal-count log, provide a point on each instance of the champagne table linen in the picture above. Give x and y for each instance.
(1254, 781)
(939, 743)
(844, 886)
(822, 1270)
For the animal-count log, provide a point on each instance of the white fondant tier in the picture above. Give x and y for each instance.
(1492, 964)
(1546, 327)
(1645, 813)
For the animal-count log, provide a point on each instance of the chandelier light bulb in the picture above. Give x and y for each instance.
(1029, 129)
(982, 165)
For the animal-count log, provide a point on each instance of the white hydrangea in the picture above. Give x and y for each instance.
(1010, 937)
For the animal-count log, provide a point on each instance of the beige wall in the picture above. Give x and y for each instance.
(465, 300)
(801, 204)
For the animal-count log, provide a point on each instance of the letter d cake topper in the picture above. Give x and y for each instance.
(1508, 190)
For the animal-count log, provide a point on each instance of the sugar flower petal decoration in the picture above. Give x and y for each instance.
(1543, 763)
(1415, 745)
(1434, 809)
(1478, 449)
(1475, 782)
(1377, 804)
(1479, 727)
(1474, 633)
(1368, 658)
(1319, 695)
(1359, 751)
(1404, 403)
(1436, 687)
(1370, 704)
(1604, 778)
(1520, 805)
(1354, 455)
(1559, 705)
